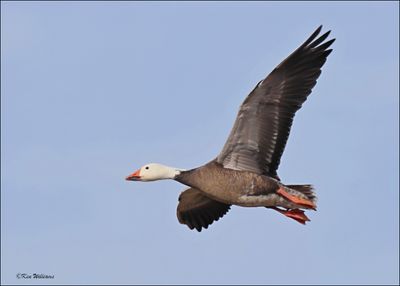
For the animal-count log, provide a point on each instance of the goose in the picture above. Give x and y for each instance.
(245, 172)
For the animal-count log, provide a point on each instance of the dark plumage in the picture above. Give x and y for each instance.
(262, 127)
(245, 172)
(197, 210)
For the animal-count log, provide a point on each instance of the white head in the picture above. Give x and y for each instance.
(154, 172)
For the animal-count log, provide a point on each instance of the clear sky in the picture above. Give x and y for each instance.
(90, 91)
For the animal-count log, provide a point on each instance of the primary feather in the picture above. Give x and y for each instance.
(262, 126)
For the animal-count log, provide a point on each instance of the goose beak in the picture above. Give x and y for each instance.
(134, 177)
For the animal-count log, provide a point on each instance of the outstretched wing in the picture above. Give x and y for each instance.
(262, 126)
(197, 211)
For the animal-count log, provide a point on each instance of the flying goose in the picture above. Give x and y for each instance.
(245, 172)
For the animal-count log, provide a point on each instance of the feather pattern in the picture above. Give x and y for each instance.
(199, 211)
(260, 132)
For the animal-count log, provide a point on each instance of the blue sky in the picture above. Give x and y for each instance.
(90, 91)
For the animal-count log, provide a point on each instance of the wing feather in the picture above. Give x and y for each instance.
(262, 126)
(197, 210)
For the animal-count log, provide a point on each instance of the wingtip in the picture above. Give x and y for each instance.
(317, 31)
(312, 37)
(327, 33)
(329, 43)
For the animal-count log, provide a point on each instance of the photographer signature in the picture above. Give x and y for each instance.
(34, 276)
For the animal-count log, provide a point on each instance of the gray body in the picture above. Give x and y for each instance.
(242, 188)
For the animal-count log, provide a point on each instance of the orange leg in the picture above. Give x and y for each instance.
(298, 201)
(296, 214)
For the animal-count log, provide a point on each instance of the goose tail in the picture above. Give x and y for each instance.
(295, 199)
(307, 190)
(300, 196)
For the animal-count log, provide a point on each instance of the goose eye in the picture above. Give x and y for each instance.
(147, 168)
